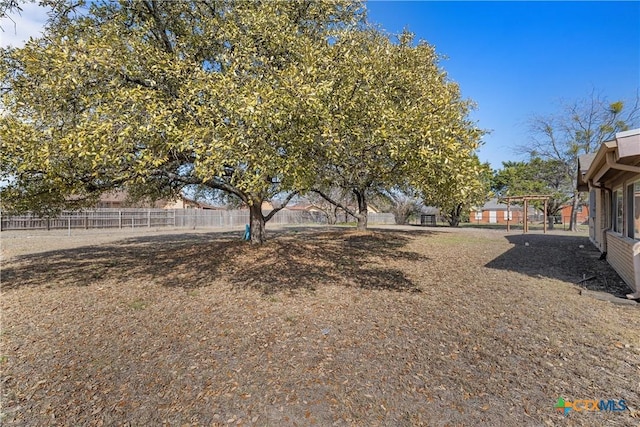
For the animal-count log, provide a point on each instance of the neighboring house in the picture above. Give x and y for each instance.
(266, 206)
(114, 199)
(495, 212)
(612, 177)
(582, 214)
(119, 200)
(324, 207)
(304, 207)
(185, 203)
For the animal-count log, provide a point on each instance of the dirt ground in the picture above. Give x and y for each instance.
(320, 326)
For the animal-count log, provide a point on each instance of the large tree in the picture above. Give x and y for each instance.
(393, 116)
(456, 186)
(579, 127)
(154, 96)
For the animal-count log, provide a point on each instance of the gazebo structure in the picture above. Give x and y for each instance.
(525, 200)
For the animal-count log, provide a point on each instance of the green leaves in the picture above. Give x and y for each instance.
(251, 99)
(224, 95)
(391, 112)
(536, 177)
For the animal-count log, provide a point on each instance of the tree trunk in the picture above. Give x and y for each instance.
(256, 222)
(332, 215)
(362, 210)
(550, 222)
(454, 216)
(573, 223)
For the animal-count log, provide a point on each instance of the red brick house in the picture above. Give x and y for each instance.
(582, 216)
(495, 212)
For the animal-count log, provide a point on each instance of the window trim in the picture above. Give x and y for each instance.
(633, 189)
(617, 195)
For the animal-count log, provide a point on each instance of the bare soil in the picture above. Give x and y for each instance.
(320, 326)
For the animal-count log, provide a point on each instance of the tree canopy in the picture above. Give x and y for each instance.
(456, 186)
(250, 98)
(394, 117)
(536, 177)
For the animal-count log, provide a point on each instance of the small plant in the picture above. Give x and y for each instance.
(291, 320)
(138, 304)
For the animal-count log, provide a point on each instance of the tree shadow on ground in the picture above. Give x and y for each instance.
(292, 259)
(567, 258)
(309, 259)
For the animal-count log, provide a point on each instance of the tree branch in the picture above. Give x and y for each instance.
(282, 206)
(214, 183)
(333, 202)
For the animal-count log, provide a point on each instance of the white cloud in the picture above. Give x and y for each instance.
(21, 27)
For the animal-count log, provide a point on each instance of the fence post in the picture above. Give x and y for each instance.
(69, 225)
(149, 218)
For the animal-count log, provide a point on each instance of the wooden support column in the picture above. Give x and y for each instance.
(525, 208)
(544, 222)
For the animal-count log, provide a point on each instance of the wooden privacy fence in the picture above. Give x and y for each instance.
(187, 218)
(99, 218)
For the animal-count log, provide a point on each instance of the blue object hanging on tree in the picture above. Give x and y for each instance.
(247, 233)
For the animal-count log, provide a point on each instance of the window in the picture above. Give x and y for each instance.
(478, 215)
(618, 210)
(634, 207)
(508, 215)
(592, 204)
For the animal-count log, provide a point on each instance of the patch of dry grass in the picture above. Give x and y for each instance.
(317, 327)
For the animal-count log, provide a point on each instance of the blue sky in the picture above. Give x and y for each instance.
(514, 59)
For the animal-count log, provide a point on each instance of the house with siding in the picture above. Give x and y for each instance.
(612, 178)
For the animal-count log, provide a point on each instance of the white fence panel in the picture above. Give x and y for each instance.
(381, 218)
